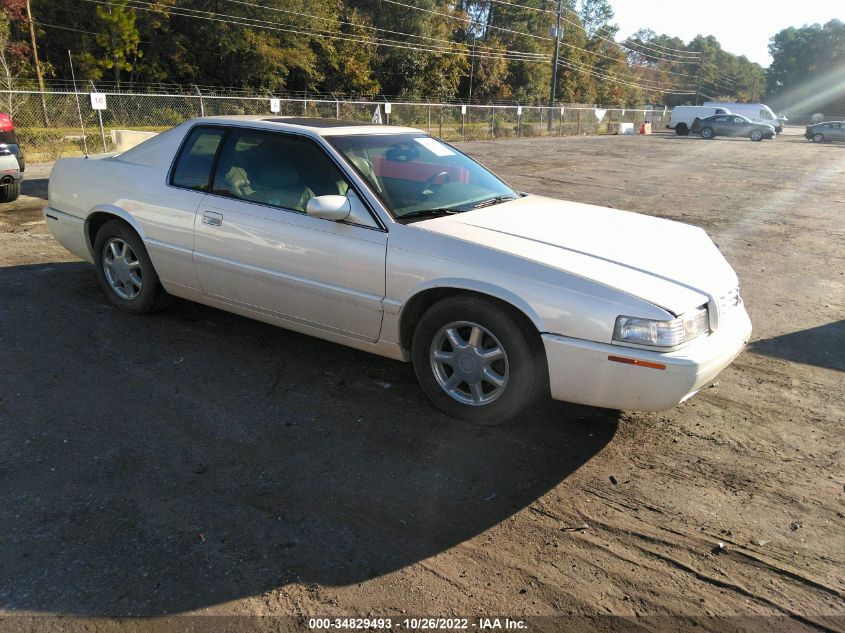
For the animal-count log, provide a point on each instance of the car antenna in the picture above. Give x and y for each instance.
(78, 107)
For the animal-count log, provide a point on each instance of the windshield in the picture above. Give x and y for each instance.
(417, 175)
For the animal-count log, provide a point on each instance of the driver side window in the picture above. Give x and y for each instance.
(275, 169)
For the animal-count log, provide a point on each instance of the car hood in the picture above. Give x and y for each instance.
(673, 265)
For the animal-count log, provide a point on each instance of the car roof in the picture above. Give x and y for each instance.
(315, 126)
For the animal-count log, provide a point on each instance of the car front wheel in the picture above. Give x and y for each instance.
(707, 132)
(125, 271)
(477, 360)
(756, 135)
(818, 138)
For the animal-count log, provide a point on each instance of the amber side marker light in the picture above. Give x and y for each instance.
(634, 361)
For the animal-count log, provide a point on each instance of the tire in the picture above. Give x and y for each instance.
(707, 133)
(521, 366)
(756, 135)
(818, 137)
(10, 192)
(127, 278)
(681, 129)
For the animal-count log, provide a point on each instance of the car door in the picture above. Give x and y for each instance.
(256, 247)
(836, 132)
(721, 125)
(739, 126)
(168, 214)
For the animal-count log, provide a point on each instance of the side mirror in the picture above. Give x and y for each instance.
(329, 207)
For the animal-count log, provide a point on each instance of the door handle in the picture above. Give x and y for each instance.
(211, 218)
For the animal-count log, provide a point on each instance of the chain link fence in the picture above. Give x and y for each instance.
(54, 124)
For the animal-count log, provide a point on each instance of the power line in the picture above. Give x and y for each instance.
(540, 37)
(642, 83)
(616, 80)
(275, 26)
(681, 53)
(379, 41)
(469, 19)
(362, 26)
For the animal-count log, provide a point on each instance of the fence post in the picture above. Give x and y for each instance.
(518, 120)
(429, 118)
(578, 131)
(78, 107)
(492, 122)
(202, 104)
(100, 116)
(463, 120)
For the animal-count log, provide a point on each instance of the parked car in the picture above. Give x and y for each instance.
(388, 240)
(12, 163)
(757, 112)
(682, 117)
(732, 125)
(829, 131)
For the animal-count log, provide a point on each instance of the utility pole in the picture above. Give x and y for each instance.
(553, 91)
(698, 90)
(471, 65)
(37, 65)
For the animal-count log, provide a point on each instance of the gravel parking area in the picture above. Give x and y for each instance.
(196, 461)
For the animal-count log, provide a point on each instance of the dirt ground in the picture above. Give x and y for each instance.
(198, 462)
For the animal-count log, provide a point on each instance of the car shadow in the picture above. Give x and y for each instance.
(821, 346)
(153, 465)
(35, 188)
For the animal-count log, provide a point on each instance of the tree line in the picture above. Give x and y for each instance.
(472, 50)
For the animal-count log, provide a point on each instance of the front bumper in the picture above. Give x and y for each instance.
(581, 372)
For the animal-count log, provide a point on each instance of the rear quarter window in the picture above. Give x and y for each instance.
(194, 161)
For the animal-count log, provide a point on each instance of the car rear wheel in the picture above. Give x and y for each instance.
(477, 360)
(681, 129)
(756, 135)
(818, 138)
(125, 271)
(707, 133)
(10, 192)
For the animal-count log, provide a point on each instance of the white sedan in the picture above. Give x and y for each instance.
(391, 241)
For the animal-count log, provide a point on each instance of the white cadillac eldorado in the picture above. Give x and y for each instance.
(391, 241)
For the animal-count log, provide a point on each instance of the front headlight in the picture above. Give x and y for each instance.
(667, 334)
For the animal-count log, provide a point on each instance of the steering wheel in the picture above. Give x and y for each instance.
(428, 186)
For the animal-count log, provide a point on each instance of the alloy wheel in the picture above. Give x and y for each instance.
(469, 363)
(122, 269)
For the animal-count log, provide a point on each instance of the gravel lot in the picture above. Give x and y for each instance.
(200, 462)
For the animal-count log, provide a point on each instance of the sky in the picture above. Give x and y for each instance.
(743, 27)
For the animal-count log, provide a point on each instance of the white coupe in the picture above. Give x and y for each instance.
(391, 241)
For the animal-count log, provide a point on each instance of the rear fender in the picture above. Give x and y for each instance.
(109, 209)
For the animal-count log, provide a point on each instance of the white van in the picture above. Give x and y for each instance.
(683, 116)
(757, 112)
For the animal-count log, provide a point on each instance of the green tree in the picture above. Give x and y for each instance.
(118, 38)
(807, 73)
